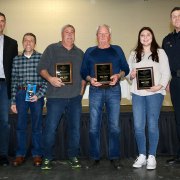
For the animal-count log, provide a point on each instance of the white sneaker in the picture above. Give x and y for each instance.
(140, 161)
(151, 162)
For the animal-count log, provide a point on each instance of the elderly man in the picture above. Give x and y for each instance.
(111, 65)
(60, 66)
(8, 50)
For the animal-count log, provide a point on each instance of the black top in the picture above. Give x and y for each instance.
(171, 45)
(9, 52)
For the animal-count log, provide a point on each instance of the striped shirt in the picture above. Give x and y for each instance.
(24, 71)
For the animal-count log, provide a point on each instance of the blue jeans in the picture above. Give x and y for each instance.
(147, 107)
(55, 108)
(110, 97)
(36, 109)
(4, 122)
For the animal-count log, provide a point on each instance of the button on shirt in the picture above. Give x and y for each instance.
(2, 75)
(24, 72)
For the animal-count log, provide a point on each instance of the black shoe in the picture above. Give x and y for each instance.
(4, 161)
(93, 164)
(74, 163)
(116, 164)
(175, 160)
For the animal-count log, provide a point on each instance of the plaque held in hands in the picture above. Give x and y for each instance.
(103, 72)
(145, 78)
(30, 92)
(64, 72)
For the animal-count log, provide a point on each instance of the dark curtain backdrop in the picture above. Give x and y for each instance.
(167, 142)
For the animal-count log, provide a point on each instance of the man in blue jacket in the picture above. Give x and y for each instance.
(103, 66)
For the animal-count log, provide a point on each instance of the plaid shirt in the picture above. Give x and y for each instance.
(24, 72)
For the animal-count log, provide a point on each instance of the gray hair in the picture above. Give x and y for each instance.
(66, 26)
(104, 25)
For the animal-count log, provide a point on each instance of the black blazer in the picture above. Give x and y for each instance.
(9, 52)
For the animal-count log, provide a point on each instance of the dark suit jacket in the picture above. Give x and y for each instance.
(9, 52)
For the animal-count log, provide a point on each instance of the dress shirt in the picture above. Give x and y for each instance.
(24, 72)
(2, 75)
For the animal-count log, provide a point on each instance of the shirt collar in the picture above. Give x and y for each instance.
(1, 37)
(34, 52)
(60, 44)
(176, 34)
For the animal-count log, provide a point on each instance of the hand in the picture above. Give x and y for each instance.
(56, 82)
(83, 87)
(13, 108)
(155, 88)
(133, 74)
(33, 98)
(82, 91)
(114, 79)
(168, 88)
(94, 82)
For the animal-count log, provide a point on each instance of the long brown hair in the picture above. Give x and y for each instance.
(154, 46)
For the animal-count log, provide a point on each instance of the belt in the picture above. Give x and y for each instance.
(2, 79)
(25, 87)
(176, 73)
(22, 87)
(106, 86)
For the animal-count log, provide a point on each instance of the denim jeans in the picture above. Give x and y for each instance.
(4, 122)
(55, 108)
(110, 97)
(36, 109)
(147, 109)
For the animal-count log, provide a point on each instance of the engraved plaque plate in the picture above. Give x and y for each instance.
(103, 72)
(64, 71)
(145, 78)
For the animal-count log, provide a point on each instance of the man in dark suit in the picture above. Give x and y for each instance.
(8, 50)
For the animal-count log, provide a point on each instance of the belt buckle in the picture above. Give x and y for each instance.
(105, 86)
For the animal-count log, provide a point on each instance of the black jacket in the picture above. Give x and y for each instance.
(9, 52)
(171, 45)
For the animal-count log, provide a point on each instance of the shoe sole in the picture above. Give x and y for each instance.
(78, 166)
(4, 165)
(135, 166)
(16, 165)
(74, 167)
(46, 168)
(151, 168)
